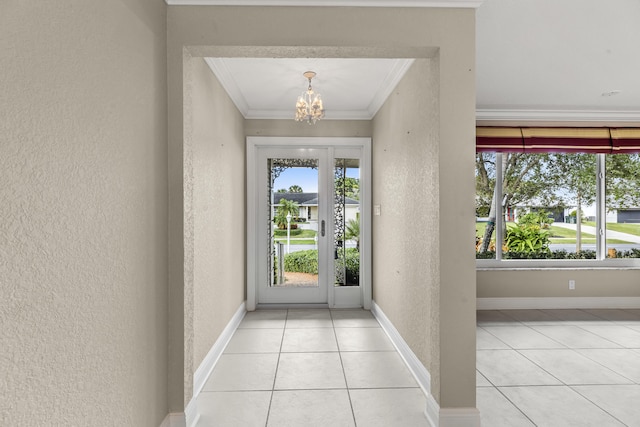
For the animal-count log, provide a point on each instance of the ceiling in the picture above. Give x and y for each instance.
(537, 60)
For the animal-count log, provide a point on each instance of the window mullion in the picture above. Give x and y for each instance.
(499, 214)
(601, 208)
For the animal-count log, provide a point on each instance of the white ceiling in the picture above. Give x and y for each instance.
(546, 60)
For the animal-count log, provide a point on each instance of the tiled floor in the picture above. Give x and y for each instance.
(325, 368)
(558, 368)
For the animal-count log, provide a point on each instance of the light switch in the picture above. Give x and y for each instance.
(376, 210)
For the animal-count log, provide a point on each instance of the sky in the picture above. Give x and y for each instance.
(306, 178)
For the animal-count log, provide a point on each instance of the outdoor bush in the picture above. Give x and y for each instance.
(351, 264)
(527, 238)
(302, 261)
(559, 254)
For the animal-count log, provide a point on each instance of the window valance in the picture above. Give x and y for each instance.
(564, 140)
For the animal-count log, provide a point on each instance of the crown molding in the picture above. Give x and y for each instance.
(220, 69)
(557, 115)
(390, 82)
(350, 3)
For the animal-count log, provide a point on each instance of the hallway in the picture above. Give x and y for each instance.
(311, 368)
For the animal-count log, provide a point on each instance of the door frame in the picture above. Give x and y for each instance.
(335, 298)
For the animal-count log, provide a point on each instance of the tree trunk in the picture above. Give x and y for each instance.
(491, 223)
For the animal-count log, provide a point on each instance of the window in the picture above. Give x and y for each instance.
(557, 204)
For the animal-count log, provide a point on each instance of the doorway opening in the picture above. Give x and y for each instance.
(308, 222)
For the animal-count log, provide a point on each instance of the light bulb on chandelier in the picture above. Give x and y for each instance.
(309, 107)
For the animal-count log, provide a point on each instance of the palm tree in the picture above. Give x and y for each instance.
(295, 189)
(286, 207)
(352, 231)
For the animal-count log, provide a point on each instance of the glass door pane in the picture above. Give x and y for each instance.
(293, 222)
(346, 210)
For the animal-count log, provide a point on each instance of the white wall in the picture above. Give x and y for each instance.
(83, 234)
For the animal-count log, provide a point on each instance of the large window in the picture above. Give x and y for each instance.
(557, 205)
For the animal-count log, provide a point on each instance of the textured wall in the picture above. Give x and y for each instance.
(555, 283)
(346, 32)
(214, 139)
(405, 182)
(83, 237)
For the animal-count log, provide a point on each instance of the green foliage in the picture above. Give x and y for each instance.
(539, 218)
(348, 186)
(302, 262)
(351, 262)
(286, 207)
(527, 238)
(295, 189)
(352, 231)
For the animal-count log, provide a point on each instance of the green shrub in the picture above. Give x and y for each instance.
(351, 264)
(302, 262)
(527, 238)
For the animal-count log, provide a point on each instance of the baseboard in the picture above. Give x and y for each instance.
(432, 411)
(459, 417)
(175, 419)
(416, 367)
(191, 413)
(209, 361)
(557, 303)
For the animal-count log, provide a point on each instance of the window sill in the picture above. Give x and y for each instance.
(537, 264)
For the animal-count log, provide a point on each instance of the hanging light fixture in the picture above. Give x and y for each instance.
(309, 106)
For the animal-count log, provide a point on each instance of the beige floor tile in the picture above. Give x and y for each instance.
(309, 340)
(310, 408)
(235, 372)
(558, 406)
(309, 371)
(229, 409)
(389, 407)
(363, 339)
(376, 370)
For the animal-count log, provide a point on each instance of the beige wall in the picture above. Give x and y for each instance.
(214, 210)
(83, 235)
(555, 283)
(348, 32)
(406, 270)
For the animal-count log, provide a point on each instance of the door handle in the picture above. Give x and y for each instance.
(322, 228)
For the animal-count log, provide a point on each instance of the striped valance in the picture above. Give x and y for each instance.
(563, 140)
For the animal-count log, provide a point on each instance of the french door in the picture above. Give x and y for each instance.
(308, 222)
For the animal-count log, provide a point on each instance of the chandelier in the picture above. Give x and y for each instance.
(309, 106)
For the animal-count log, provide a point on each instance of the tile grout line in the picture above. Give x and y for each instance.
(344, 373)
(275, 376)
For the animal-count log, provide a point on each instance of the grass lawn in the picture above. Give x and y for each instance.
(295, 233)
(623, 228)
(295, 241)
(560, 235)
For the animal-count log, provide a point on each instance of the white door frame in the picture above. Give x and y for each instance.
(337, 297)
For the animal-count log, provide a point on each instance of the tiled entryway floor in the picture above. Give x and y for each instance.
(324, 368)
(558, 368)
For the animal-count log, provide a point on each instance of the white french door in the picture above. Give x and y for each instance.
(308, 221)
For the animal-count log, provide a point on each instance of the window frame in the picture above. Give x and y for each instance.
(601, 260)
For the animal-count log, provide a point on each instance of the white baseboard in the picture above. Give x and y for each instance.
(557, 303)
(191, 413)
(432, 411)
(459, 417)
(204, 370)
(174, 419)
(416, 367)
